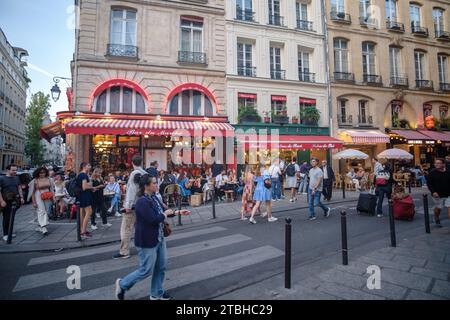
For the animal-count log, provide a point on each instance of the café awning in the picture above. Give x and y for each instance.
(138, 127)
(364, 136)
(443, 136)
(51, 130)
(410, 134)
(295, 142)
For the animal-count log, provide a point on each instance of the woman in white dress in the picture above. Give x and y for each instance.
(42, 193)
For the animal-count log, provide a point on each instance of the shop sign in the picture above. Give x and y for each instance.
(152, 132)
(420, 142)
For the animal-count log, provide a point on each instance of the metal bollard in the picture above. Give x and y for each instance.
(392, 224)
(343, 186)
(11, 221)
(287, 254)
(180, 198)
(213, 198)
(409, 185)
(426, 213)
(78, 221)
(344, 238)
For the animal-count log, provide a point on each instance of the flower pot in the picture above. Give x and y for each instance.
(266, 119)
(295, 120)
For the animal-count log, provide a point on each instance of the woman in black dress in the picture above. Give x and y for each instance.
(85, 198)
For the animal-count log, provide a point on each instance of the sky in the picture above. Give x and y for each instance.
(45, 28)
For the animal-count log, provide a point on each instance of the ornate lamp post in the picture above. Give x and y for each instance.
(55, 90)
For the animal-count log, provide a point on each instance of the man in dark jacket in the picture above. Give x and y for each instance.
(438, 182)
(153, 169)
(328, 179)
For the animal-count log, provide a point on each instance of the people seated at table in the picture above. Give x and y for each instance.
(112, 187)
(185, 184)
(356, 178)
(221, 181)
(418, 174)
(61, 195)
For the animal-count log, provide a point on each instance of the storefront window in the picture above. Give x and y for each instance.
(119, 99)
(192, 102)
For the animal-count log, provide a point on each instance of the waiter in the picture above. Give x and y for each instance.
(328, 179)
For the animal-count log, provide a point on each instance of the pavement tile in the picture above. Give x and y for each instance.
(380, 255)
(445, 267)
(416, 253)
(430, 273)
(405, 279)
(441, 288)
(354, 267)
(343, 278)
(385, 263)
(347, 293)
(419, 295)
(410, 260)
(388, 290)
(304, 293)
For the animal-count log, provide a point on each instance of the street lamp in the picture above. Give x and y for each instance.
(56, 92)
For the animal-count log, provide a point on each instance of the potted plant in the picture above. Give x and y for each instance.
(266, 116)
(310, 115)
(248, 114)
(295, 119)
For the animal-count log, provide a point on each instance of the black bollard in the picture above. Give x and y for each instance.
(78, 221)
(287, 254)
(344, 238)
(392, 224)
(426, 213)
(180, 198)
(343, 186)
(213, 198)
(409, 185)
(11, 221)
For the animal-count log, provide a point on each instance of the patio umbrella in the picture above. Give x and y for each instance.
(349, 154)
(395, 154)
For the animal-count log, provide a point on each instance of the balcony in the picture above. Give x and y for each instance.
(340, 17)
(442, 35)
(307, 77)
(393, 25)
(368, 22)
(365, 121)
(344, 120)
(445, 87)
(278, 74)
(344, 76)
(372, 79)
(276, 20)
(399, 81)
(305, 25)
(424, 84)
(247, 71)
(280, 119)
(119, 50)
(192, 57)
(245, 15)
(419, 30)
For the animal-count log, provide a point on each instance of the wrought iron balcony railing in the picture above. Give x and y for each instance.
(365, 121)
(372, 79)
(307, 77)
(341, 17)
(247, 71)
(399, 81)
(192, 57)
(368, 22)
(424, 84)
(442, 35)
(395, 26)
(276, 20)
(245, 15)
(280, 119)
(345, 120)
(119, 50)
(305, 25)
(278, 74)
(419, 30)
(443, 86)
(344, 76)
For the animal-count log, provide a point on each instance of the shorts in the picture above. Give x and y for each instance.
(441, 202)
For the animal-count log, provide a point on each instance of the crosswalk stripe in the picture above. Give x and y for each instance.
(59, 275)
(114, 247)
(187, 275)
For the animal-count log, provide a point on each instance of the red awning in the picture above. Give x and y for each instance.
(51, 130)
(443, 136)
(140, 127)
(247, 95)
(305, 100)
(279, 98)
(289, 142)
(410, 134)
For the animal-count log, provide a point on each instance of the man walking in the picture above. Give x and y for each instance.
(292, 171)
(129, 217)
(9, 190)
(315, 190)
(275, 173)
(438, 182)
(328, 179)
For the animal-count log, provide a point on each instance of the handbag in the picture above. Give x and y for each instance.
(167, 229)
(48, 195)
(268, 183)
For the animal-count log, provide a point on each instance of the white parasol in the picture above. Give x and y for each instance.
(395, 154)
(350, 154)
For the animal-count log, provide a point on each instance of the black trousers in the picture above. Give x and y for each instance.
(99, 205)
(327, 188)
(7, 213)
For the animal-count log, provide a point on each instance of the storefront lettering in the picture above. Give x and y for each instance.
(134, 132)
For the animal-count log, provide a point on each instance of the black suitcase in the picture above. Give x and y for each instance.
(367, 203)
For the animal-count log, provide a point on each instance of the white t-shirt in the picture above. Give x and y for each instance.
(274, 171)
(314, 175)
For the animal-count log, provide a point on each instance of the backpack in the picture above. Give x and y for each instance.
(73, 188)
(290, 170)
(382, 178)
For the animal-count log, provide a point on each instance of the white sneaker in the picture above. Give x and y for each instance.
(97, 215)
(117, 214)
(94, 227)
(291, 200)
(110, 210)
(273, 200)
(252, 220)
(264, 214)
(5, 238)
(272, 219)
(106, 225)
(44, 231)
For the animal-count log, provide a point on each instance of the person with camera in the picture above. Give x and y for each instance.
(150, 232)
(42, 189)
(262, 193)
(9, 190)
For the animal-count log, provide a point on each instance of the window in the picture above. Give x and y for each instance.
(275, 63)
(191, 36)
(123, 27)
(302, 11)
(418, 62)
(391, 10)
(274, 12)
(279, 106)
(363, 117)
(306, 103)
(414, 13)
(443, 68)
(246, 100)
(244, 10)
(341, 55)
(394, 58)
(396, 108)
(337, 6)
(342, 107)
(438, 19)
(119, 99)
(368, 55)
(245, 65)
(364, 9)
(303, 66)
(443, 112)
(191, 102)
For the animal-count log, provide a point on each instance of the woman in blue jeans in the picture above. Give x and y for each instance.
(384, 189)
(149, 241)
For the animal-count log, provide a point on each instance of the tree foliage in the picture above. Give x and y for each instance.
(36, 111)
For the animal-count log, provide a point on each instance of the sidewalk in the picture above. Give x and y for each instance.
(417, 269)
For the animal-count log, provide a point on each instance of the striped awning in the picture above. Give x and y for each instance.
(365, 136)
(138, 127)
(294, 142)
(51, 130)
(443, 136)
(410, 134)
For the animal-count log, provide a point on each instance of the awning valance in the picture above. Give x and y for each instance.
(295, 142)
(138, 127)
(51, 130)
(410, 134)
(365, 136)
(443, 136)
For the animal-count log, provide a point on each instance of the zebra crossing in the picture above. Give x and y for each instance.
(199, 255)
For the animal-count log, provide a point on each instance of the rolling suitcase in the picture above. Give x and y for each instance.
(367, 203)
(404, 209)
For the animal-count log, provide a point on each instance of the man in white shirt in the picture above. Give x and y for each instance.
(275, 173)
(282, 167)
